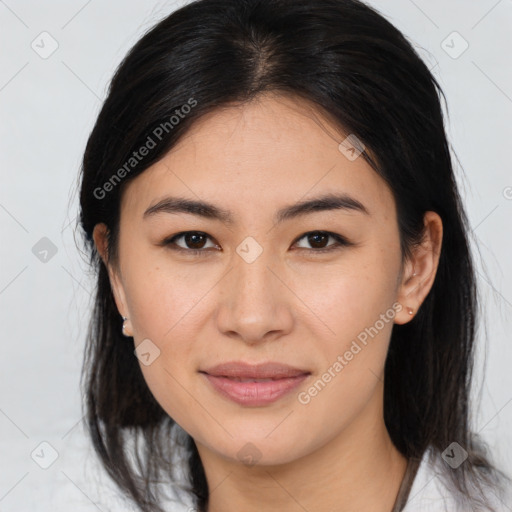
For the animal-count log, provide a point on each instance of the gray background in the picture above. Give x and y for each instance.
(47, 109)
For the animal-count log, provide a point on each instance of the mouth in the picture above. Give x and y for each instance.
(254, 385)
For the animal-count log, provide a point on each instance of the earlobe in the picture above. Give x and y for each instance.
(408, 309)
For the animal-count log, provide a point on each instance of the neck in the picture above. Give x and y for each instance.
(360, 469)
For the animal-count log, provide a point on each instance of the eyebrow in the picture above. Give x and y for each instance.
(208, 210)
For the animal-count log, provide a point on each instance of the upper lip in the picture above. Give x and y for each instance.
(240, 369)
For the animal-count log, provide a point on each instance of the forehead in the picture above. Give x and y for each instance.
(272, 151)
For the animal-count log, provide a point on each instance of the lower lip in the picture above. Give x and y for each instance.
(254, 393)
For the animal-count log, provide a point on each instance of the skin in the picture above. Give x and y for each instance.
(289, 305)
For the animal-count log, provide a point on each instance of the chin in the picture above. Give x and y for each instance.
(254, 449)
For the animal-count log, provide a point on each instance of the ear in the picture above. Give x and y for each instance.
(100, 236)
(420, 270)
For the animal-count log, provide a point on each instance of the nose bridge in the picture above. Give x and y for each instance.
(253, 278)
(254, 282)
(254, 303)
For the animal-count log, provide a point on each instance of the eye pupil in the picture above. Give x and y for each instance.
(192, 239)
(322, 236)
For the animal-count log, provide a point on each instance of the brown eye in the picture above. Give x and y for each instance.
(318, 241)
(193, 242)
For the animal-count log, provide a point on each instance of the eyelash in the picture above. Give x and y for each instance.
(170, 242)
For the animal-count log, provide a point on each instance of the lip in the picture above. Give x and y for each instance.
(243, 370)
(228, 380)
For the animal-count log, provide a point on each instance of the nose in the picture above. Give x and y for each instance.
(255, 305)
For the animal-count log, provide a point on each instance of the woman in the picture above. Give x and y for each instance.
(284, 276)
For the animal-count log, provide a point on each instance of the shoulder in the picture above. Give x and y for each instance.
(431, 490)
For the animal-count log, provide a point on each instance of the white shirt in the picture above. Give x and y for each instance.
(430, 493)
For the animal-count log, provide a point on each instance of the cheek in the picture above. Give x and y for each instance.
(360, 317)
(167, 310)
(359, 310)
(163, 301)
(355, 304)
(352, 296)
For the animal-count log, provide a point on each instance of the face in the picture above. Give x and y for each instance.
(254, 280)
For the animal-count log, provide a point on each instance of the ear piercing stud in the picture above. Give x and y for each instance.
(124, 326)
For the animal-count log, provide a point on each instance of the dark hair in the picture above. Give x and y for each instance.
(356, 68)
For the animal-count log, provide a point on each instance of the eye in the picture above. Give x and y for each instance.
(194, 242)
(319, 239)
